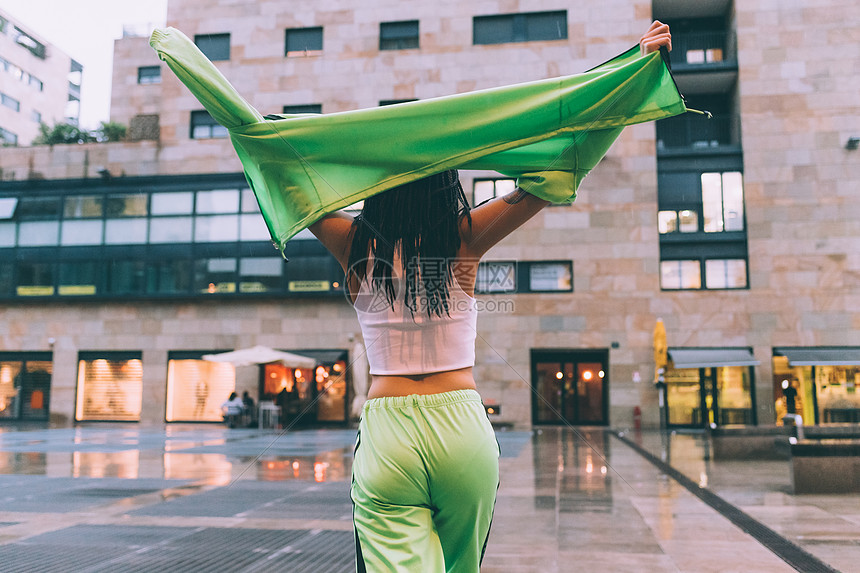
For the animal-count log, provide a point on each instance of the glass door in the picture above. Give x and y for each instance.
(569, 387)
(25, 388)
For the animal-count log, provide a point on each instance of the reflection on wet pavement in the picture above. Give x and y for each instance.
(567, 497)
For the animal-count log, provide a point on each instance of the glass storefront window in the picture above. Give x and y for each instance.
(724, 392)
(109, 389)
(734, 399)
(197, 388)
(125, 277)
(667, 222)
(836, 390)
(126, 231)
(331, 390)
(35, 279)
(215, 275)
(684, 397)
(260, 274)
(168, 276)
(800, 379)
(78, 278)
(25, 387)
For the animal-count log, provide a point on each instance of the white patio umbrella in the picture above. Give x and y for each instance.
(261, 355)
(360, 377)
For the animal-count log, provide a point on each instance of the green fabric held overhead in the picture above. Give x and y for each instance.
(548, 134)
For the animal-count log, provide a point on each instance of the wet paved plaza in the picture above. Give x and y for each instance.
(204, 498)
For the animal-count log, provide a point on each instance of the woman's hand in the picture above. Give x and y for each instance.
(657, 36)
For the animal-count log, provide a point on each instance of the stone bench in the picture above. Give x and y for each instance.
(826, 466)
(751, 442)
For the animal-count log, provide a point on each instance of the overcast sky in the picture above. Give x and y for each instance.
(85, 30)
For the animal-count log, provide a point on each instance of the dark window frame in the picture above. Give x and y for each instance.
(148, 75)
(400, 35)
(485, 29)
(306, 36)
(213, 47)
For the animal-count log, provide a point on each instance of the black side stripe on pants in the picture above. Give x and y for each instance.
(360, 566)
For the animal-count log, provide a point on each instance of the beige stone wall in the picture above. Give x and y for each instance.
(54, 73)
(798, 93)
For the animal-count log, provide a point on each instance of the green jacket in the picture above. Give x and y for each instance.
(548, 134)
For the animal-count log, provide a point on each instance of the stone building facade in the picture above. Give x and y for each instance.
(752, 291)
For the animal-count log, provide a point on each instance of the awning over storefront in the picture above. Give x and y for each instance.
(829, 356)
(707, 357)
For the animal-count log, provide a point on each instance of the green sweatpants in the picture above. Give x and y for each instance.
(424, 483)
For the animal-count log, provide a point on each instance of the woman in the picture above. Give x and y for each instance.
(426, 464)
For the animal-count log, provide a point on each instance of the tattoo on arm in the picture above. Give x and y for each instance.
(514, 196)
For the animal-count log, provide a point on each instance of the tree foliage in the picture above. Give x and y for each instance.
(65, 133)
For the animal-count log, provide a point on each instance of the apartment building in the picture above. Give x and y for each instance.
(124, 264)
(38, 83)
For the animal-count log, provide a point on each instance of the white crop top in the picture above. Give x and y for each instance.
(399, 342)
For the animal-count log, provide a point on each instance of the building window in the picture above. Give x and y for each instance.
(125, 277)
(168, 277)
(722, 202)
(680, 221)
(496, 277)
(398, 35)
(10, 102)
(529, 27)
(25, 385)
(725, 273)
(110, 387)
(35, 279)
(551, 276)
(38, 233)
(214, 46)
(385, 102)
(196, 388)
(677, 275)
(303, 108)
(303, 42)
(7, 137)
(216, 229)
(126, 205)
(215, 276)
(35, 116)
(260, 274)
(24, 39)
(204, 126)
(150, 74)
(78, 278)
(74, 232)
(486, 189)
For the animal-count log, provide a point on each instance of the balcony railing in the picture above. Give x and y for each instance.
(704, 48)
(697, 132)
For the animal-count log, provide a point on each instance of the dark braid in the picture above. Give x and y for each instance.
(421, 220)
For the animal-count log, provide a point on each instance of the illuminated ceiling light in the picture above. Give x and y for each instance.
(587, 375)
(601, 374)
(559, 375)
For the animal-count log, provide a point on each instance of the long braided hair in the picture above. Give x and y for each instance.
(420, 221)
